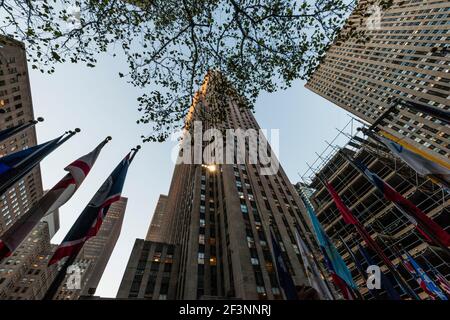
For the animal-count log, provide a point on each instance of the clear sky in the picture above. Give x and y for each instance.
(101, 104)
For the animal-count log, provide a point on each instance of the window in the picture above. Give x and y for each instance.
(201, 258)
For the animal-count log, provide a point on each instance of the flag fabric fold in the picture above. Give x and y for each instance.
(312, 270)
(422, 278)
(421, 165)
(91, 219)
(385, 282)
(432, 230)
(15, 166)
(349, 218)
(284, 277)
(336, 266)
(9, 132)
(51, 201)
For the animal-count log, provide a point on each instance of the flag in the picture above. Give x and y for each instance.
(284, 277)
(421, 165)
(349, 218)
(51, 201)
(9, 132)
(443, 283)
(416, 277)
(347, 215)
(426, 225)
(339, 272)
(312, 270)
(358, 265)
(91, 219)
(385, 282)
(16, 165)
(440, 279)
(423, 279)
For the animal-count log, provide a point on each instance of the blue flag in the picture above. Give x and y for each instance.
(286, 282)
(15, 166)
(335, 260)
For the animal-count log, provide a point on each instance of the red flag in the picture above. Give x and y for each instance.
(349, 218)
(424, 223)
(343, 209)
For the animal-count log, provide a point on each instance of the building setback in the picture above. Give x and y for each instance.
(16, 107)
(94, 256)
(154, 231)
(386, 224)
(407, 57)
(150, 272)
(219, 217)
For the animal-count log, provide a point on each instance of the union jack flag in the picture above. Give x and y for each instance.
(91, 219)
(51, 201)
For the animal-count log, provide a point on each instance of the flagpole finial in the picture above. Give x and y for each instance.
(40, 119)
(77, 130)
(108, 138)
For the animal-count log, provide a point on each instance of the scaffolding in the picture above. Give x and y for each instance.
(386, 224)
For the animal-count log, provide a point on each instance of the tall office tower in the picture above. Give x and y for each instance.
(93, 258)
(386, 224)
(220, 215)
(154, 231)
(15, 108)
(25, 274)
(406, 56)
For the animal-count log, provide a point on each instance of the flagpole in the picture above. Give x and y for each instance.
(14, 236)
(14, 174)
(394, 250)
(318, 266)
(358, 266)
(58, 281)
(5, 134)
(372, 244)
(436, 179)
(423, 228)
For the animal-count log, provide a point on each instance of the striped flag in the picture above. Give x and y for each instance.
(51, 201)
(426, 225)
(443, 283)
(91, 219)
(440, 279)
(422, 278)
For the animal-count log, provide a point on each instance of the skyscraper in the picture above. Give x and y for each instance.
(154, 231)
(407, 56)
(221, 215)
(93, 258)
(25, 275)
(16, 107)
